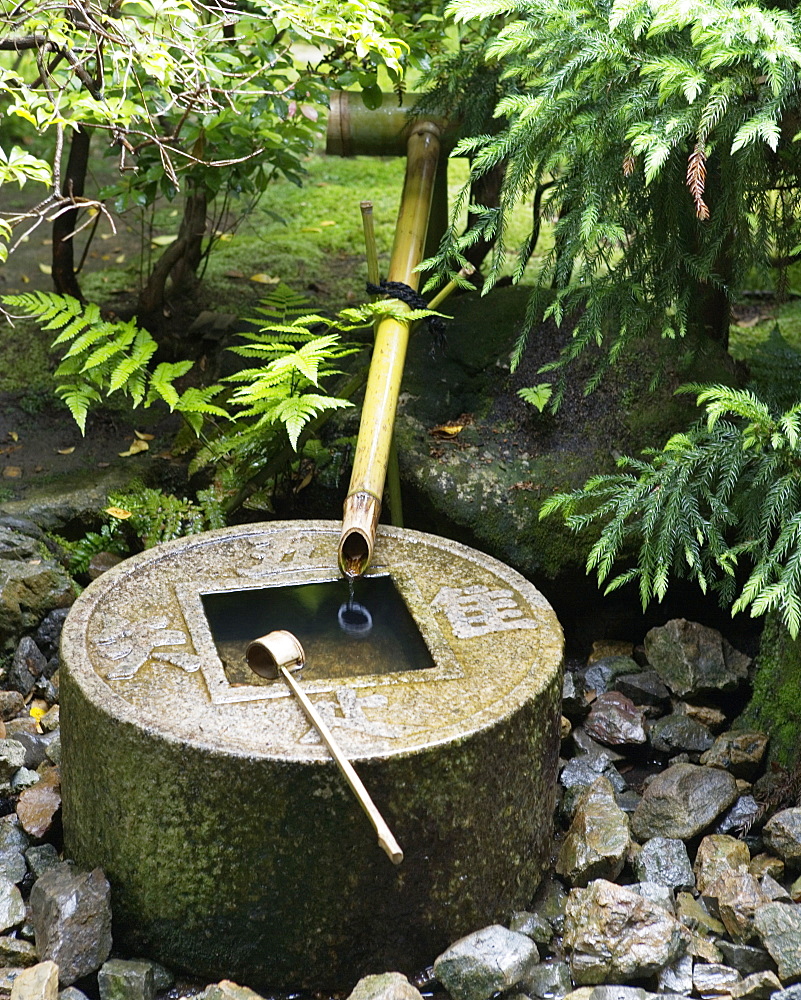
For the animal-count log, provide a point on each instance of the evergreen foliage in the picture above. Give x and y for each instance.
(665, 132)
(718, 501)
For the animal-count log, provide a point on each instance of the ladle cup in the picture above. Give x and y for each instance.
(275, 655)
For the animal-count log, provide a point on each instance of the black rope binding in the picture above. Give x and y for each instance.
(413, 299)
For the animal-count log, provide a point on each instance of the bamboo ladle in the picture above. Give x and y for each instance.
(275, 655)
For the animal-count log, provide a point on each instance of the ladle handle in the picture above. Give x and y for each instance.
(386, 840)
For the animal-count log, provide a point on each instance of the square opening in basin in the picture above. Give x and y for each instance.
(344, 632)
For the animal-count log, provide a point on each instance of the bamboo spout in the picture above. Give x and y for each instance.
(363, 503)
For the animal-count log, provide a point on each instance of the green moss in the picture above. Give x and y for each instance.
(775, 706)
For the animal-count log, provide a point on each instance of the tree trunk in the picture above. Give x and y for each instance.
(64, 280)
(181, 259)
(485, 190)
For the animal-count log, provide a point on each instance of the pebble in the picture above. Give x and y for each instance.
(615, 720)
(693, 660)
(387, 986)
(598, 840)
(714, 980)
(119, 979)
(679, 733)
(782, 835)
(779, 926)
(666, 861)
(39, 804)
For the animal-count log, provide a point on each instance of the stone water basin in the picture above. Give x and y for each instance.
(233, 845)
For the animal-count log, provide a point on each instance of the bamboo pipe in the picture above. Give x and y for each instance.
(363, 503)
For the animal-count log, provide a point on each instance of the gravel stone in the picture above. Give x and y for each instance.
(28, 664)
(745, 957)
(679, 733)
(692, 659)
(678, 977)
(598, 840)
(682, 801)
(71, 916)
(782, 835)
(644, 688)
(612, 933)
(39, 982)
(389, 986)
(41, 858)
(615, 720)
(779, 926)
(714, 980)
(533, 925)
(757, 986)
(550, 979)
(119, 979)
(665, 860)
(739, 752)
(485, 962)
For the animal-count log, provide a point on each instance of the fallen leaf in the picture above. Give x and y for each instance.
(445, 431)
(311, 229)
(163, 241)
(12, 471)
(119, 512)
(103, 465)
(304, 482)
(25, 279)
(13, 435)
(106, 236)
(45, 268)
(136, 447)
(66, 451)
(328, 222)
(233, 274)
(264, 279)
(120, 259)
(144, 437)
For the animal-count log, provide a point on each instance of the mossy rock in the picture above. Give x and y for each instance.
(486, 484)
(775, 706)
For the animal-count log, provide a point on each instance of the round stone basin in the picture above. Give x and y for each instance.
(232, 843)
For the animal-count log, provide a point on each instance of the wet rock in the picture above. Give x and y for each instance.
(53, 749)
(71, 915)
(533, 925)
(48, 635)
(758, 986)
(575, 696)
(39, 982)
(50, 720)
(738, 751)
(738, 895)
(611, 933)
(615, 720)
(782, 835)
(603, 648)
(12, 908)
(744, 957)
(601, 675)
(694, 914)
(228, 990)
(15, 951)
(35, 747)
(41, 858)
(644, 688)
(712, 718)
(550, 903)
(23, 778)
(37, 806)
(548, 980)
(661, 895)
(28, 591)
(664, 860)
(12, 864)
(682, 801)
(72, 993)
(12, 757)
(11, 704)
(101, 562)
(598, 839)
(791, 993)
(16, 546)
(485, 962)
(620, 993)
(692, 659)
(775, 892)
(28, 664)
(118, 979)
(714, 980)
(584, 743)
(741, 817)
(679, 734)
(719, 853)
(779, 926)
(678, 977)
(389, 986)
(582, 771)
